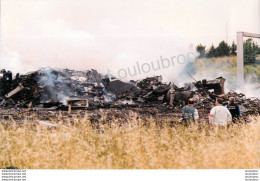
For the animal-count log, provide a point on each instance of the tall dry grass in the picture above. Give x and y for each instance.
(133, 145)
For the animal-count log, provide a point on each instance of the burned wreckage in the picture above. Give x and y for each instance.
(63, 88)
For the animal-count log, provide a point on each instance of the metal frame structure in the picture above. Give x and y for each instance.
(240, 55)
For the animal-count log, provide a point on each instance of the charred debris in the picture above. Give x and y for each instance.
(71, 89)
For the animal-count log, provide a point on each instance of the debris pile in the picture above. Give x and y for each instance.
(56, 87)
(153, 90)
(63, 88)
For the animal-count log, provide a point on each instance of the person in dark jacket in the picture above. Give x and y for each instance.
(190, 113)
(234, 109)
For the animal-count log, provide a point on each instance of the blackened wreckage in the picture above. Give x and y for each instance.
(62, 88)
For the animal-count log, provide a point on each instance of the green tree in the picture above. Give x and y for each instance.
(212, 52)
(250, 51)
(223, 49)
(202, 50)
(233, 49)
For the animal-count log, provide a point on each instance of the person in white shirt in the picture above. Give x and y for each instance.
(220, 115)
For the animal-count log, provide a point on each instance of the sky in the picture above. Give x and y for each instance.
(116, 34)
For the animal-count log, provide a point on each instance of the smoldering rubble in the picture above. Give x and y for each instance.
(63, 89)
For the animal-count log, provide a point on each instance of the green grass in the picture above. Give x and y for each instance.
(227, 66)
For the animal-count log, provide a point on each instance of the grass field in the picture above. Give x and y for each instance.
(132, 145)
(227, 67)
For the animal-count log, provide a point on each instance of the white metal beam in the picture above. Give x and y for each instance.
(252, 35)
(240, 59)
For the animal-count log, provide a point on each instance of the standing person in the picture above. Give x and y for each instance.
(4, 82)
(189, 112)
(171, 94)
(1, 82)
(220, 115)
(234, 109)
(9, 80)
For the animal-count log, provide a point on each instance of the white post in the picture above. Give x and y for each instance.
(240, 59)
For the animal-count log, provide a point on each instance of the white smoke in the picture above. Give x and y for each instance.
(81, 51)
(250, 88)
(76, 38)
(11, 60)
(212, 69)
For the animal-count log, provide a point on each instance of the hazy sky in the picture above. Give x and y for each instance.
(102, 34)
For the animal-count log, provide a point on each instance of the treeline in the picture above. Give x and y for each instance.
(251, 49)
